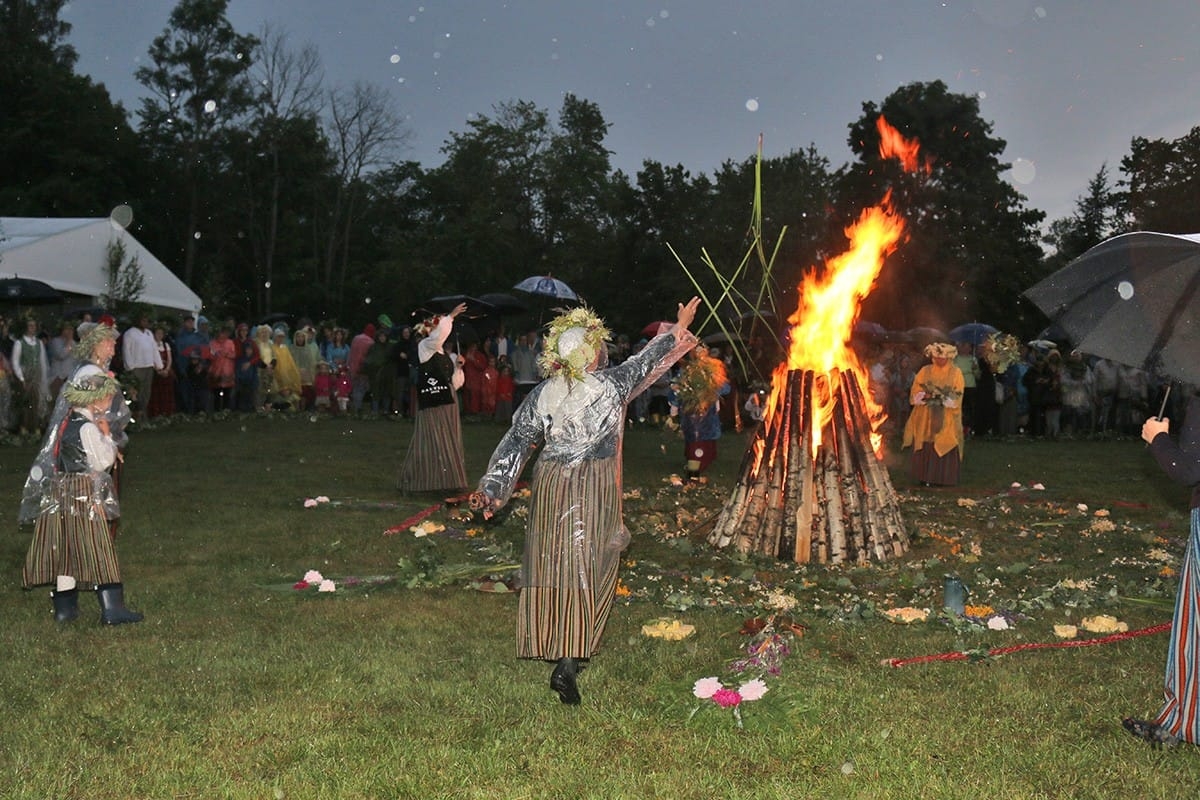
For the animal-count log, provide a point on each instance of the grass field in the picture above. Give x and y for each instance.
(405, 685)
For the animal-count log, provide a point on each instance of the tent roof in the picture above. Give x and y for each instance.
(71, 254)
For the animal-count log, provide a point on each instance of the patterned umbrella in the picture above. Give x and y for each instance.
(547, 286)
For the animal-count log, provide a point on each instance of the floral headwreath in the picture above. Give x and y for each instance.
(89, 389)
(93, 336)
(426, 326)
(572, 342)
(941, 350)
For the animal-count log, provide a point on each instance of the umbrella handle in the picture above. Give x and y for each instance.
(1163, 407)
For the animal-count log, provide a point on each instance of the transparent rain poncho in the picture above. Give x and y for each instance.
(575, 529)
(37, 495)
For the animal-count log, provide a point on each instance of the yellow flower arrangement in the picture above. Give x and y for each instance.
(906, 615)
(670, 629)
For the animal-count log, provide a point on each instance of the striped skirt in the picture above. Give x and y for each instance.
(72, 539)
(1180, 713)
(928, 467)
(435, 461)
(573, 548)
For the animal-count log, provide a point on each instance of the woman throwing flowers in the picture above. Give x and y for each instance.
(575, 534)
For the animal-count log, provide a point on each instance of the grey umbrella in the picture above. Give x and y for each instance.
(1132, 299)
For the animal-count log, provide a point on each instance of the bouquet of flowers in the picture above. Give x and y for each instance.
(938, 395)
(712, 689)
(1001, 351)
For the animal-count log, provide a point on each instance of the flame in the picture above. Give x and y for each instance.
(893, 145)
(829, 306)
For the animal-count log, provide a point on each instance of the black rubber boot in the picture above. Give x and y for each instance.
(66, 605)
(112, 605)
(562, 680)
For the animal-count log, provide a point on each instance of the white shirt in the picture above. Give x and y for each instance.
(139, 350)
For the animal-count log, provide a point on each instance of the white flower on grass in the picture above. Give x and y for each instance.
(327, 586)
(997, 623)
(706, 687)
(753, 690)
(312, 576)
(310, 503)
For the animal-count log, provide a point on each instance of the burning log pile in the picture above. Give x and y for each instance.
(836, 507)
(812, 487)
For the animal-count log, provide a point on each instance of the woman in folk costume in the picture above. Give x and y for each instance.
(1179, 718)
(575, 533)
(435, 460)
(934, 427)
(31, 368)
(72, 543)
(696, 396)
(97, 344)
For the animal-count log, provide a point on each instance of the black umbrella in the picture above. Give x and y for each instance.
(1132, 299)
(28, 292)
(447, 303)
(504, 304)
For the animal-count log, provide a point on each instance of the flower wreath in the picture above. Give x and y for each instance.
(426, 326)
(587, 333)
(699, 383)
(941, 350)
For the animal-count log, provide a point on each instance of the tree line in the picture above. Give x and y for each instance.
(266, 190)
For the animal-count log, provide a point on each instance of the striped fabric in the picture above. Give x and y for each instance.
(572, 550)
(435, 459)
(73, 539)
(1180, 714)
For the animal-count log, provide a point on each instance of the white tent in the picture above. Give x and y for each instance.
(72, 256)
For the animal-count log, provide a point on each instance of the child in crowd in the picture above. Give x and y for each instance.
(246, 376)
(323, 388)
(342, 388)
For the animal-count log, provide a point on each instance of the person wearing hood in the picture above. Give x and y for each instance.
(575, 534)
(360, 379)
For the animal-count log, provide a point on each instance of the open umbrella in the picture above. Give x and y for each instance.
(28, 292)
(1132, 299)
(447, 303)
(504, 304)
(547, 286)
(975, 333)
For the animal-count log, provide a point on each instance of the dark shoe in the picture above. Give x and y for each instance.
(1151, 732)
(562, 680)
(112, 605)
(66, 605)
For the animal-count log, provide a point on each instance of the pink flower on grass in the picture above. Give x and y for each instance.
(310, 503)
(706, 688)
(327, 586)
(312, 576)
(752, 690)
(322, 498)
(726, 698)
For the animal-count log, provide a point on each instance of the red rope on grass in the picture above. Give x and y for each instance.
(1016, 648)
(413, 520)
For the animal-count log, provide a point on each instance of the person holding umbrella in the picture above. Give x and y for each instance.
(435, 460)
(574, 536)
(1179, 718)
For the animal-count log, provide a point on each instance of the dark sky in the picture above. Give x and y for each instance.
(1066, 84)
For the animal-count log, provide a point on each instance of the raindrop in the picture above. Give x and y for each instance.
(210, 106)
(35, 472)
(982, 95)
(367, 300)
(1125, 290)
(664, 14)
(121, 216)
(879, 56)
(1039, 12)
(1023, 170)
(650, 22)
(267, 285)
(437, 54)
(196, 235)
(752, 104)
(848, 768)
(399, 80)
(412, 17)
(395, 59)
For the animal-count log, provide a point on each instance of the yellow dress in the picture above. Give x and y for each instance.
(936, 422)
(287, 374)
